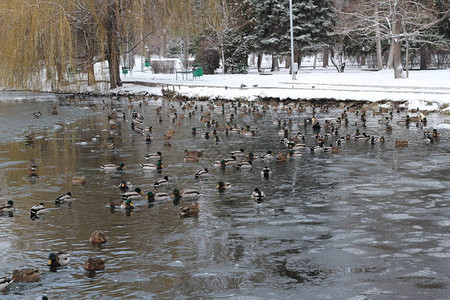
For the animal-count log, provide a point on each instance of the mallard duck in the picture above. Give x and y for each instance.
(127, 204)
(26, 275)
(201, 173)
(98, 237)
(258, 196)
(7, 207)
(220, 164)
(187, 194)
(94, 264)
(222, 186)
(156, 155)
(134, 195)
(401, 143)
(79, 180)
(161, 196)
(197, 153)
(151, 167)
(111, 167)
(59, 259)
(231, 161)
(294, 153)
(245, 165)
(266, 172)
(161, 182)
(191, 159)
(37, 114)
(115, 203)
(38, 209)
(32, 166)
(268, 156)
(190, 211)
(67, 197)
(239, 153)
(4, 282)
(125, 186)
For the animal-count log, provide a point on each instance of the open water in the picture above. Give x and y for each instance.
(370, 222)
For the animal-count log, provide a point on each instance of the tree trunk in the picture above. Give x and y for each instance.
(378, 40)
(275, 64)
(390, 62)
(91, 74)
(315, 61)
(363, 60)
(287, 62)
(163, 45)
(222, 52)
(326, 58)
(186, 53)
(423, 57)
(397, 49)
(113, 47)
(259, 61)
(407, 59)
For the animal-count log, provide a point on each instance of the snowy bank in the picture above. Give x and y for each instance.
(426, 90)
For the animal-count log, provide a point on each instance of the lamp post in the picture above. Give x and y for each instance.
(292, 40)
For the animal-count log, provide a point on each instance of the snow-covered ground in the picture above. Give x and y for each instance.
(427, 90)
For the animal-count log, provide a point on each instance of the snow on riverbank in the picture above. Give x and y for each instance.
(427, 90)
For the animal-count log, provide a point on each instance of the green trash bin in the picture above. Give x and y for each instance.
(198, 72)
(125, 70)
(147, 63)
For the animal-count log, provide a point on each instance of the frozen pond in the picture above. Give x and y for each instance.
(370, 222)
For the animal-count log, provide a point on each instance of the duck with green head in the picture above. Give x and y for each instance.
(59, 259)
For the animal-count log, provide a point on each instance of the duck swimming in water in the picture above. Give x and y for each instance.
(59, 259)
(258, 196)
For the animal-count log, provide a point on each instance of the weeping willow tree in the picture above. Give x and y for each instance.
(45, 39)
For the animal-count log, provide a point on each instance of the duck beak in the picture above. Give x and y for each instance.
(217, 187)
(49, 262)
(146, 197)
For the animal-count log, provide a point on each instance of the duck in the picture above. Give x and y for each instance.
(4, 282)
(222, 186)
(401, 143)
(156, 155)
(98, 237)
(231, 161)
(115, 203)
(190, 211)
(26, 275)
(294, 153)
(134, 195)
(79, 180)
(59, 259)
(219, 164)
(112, 166)
(124, 186)
(266, 172)
(152, 167)
(127, 204)
(268, 156)
(94, 264)
(239, 153)
(32, 166)
(197, 153)
(37, 114)
(258, 196)
(67, 197)
(201, 173)
(188, 194)
(38, 209)
(191, 159)
(161, 182)
(7, 207)
(245, 165)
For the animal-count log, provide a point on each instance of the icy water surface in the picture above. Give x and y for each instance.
(371, 222)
